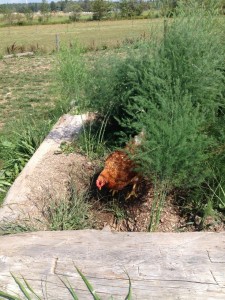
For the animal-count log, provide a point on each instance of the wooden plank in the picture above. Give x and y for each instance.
(19, 54)
(44, 172)
(160, 265)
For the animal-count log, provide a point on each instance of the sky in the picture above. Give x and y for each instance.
(19, 1)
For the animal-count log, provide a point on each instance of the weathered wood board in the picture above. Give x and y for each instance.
(31, 53)
(44, 172)
(160, 265)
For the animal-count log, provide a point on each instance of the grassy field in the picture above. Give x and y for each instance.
(25, 88)
(88, 33)
(25, 83)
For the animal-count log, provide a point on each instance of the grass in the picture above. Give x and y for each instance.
(91, 140)
(27, 111)
(90, 34)
(71, 213)
(159, 199)
(16, 227)
(25, 85)
(118, 211)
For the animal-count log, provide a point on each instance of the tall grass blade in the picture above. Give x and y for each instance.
(70, 289)
(30, 289)
(8, 296)
(160, 193)
(88, 285)
(129, 295)
(22, 288)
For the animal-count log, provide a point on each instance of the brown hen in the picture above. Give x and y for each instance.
(119, 170)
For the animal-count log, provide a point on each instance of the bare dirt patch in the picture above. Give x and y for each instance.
(116, 213)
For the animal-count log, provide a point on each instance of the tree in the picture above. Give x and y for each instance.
(100, 9)
(74, 9)
(86, 5)
(168, 7)
(53, 6)
(8, 14)
(130, 8)
(33, 7)
(63, 5)
(28, 14)
(45, 10)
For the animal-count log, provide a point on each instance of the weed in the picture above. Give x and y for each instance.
(217, 193)
(66, 148)
(70, 213)
(28, 292)
(160, 193)
(91, 139)
(71, 74)
(4, 183)
(16, 227)
(118, 211)
(12, 48)
(18, 151)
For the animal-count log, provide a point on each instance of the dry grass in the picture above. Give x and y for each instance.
(25, 85)
(88, 33)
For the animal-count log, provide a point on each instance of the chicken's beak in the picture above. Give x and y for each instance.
(100, 188)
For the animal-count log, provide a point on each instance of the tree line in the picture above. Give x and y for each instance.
(101, 9)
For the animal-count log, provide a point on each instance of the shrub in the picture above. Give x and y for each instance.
(175, 148)
(174, 89)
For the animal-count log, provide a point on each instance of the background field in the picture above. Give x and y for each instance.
(88, 33)
(25, 87)
(25, 83)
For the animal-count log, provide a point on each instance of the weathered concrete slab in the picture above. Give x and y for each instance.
(161, 265)
(45, 172)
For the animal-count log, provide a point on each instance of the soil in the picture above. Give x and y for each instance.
(114, 212)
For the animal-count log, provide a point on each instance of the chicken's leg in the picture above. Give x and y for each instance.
(113, 192)
(132, 193)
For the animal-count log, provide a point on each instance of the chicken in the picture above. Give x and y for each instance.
(119, 170)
